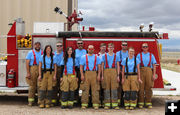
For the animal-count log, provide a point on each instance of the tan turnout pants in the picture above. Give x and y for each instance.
(110, 85)
(68, 86)
(130, 88)
(32, 82)
(145, 92)
(45, 89)
(90, 82)
(69, 83)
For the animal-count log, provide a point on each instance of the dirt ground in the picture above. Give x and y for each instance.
(15, 104)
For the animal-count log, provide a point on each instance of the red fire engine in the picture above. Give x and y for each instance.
(18, 46)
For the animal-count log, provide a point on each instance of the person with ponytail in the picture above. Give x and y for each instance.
(68, 78)
(47, 75)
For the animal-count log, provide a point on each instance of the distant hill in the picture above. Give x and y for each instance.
(170, 50)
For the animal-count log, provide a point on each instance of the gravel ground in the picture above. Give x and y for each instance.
(15, 104)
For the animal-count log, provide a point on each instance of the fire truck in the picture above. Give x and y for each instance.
(19, 44)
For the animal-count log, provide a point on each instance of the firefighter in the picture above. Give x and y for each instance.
(121, 54)
(148, 72)
(56, 90)
(110, 78)
(100, 54)
(69, 81)
(130, 79)
(47, 75)
(32, 62)
(89, 65)
(78, 54)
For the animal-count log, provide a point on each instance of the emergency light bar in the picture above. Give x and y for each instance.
(109, 34)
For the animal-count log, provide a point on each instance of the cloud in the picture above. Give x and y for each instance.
(127, 15)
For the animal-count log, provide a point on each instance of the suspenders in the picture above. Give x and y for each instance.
(35, 63)
(127, 66)
(149, 65)
(114, 61)
(87, 66)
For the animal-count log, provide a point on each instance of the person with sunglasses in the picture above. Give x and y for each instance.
(79, 52)
(148, 72)
(110, 77)
(90, 78)
(56, 90)
(122, 54)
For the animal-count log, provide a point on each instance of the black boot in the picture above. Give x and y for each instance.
(71, 99)
(133, 98)
(64, 99)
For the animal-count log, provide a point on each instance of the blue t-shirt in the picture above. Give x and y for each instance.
(110, 60)
(47, 62)
(79, 54)
(100, 56)
(91, 60)
(100, 59)
(69, 65)
(146, 59)
(130, 64)
(122, 54)
(30, 56)
(58, 58)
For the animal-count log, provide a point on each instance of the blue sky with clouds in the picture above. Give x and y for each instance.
(127, 15)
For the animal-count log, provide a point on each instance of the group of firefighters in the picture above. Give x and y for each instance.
(107, 77)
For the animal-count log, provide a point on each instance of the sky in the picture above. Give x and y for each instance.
(127, 15)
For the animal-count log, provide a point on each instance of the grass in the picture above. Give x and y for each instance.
(172, 67)
(169, 61)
